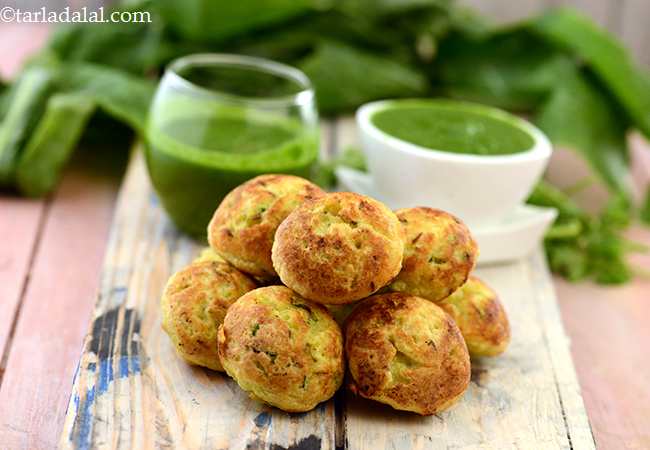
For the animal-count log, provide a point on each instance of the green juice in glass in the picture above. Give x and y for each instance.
(197, 155)
(218, 120)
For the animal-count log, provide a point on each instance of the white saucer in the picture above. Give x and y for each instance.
(512, 238)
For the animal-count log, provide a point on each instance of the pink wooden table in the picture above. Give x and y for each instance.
(51, 253)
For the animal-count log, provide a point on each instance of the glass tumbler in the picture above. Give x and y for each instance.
(218, 120)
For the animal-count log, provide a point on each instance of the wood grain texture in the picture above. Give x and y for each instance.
(132, 391)
(55, 309)
(19, 227)
(20, 219)
(612, 379)
(612, 362)
(527, 398)
(609, 330)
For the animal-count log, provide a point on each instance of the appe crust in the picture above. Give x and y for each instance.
(243, 226)
(194, 304)
(406, 352)
(439, 253)
(282, 349)
(481, 317)
(338, 249)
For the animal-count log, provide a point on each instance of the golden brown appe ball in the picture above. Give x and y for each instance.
(208, 254)
(406, 352)
(282, 349)
(439, 253)
(339, 248)
(482, 320)
(243, 226)
(194, 304)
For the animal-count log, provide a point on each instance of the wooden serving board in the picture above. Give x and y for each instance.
(131, 391)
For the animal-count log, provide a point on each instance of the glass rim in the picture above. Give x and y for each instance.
(253, 63)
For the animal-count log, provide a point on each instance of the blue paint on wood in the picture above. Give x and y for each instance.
(119, 292)
(84, 421)
(111, 364)
(105, 376)
(263, 419)
(135, 364)
(128, 366)
(124, 366)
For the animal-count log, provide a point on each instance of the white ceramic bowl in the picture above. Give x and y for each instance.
(513, 237)
(479, 189)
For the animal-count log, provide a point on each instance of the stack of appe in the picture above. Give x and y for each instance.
(297, 282)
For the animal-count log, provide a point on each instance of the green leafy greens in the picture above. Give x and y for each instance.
(581, 245)
(573, 79)
(346, 77)
(28, 102)
(52, 142)
(605, 56)
(576, 115)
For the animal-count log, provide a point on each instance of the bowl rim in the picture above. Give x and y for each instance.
(540, 150)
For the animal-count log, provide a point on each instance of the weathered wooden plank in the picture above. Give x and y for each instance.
(19, 219)
(527, 398)
(557, 343)
(607, 325)
(19, 227)
(131, 390)
(609, 394)
(55, 309)
(608, 330)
